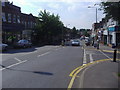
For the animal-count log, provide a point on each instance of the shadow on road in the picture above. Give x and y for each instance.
(36, 72)
(20, 50)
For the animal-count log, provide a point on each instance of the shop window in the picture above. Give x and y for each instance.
(3, 17)
(14, 18)
(9, 18)
(18, 19)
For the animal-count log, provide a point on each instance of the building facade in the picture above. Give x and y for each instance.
(108, 32)
(16, 25)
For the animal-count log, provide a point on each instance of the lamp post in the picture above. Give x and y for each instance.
(96, 11)
(94, 32)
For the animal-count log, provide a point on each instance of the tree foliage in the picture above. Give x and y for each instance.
(74, 32)
(49, 27)
(112, 10)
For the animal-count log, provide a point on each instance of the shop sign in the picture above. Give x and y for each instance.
(111, 28)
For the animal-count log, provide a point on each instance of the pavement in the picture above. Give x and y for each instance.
(100, 73)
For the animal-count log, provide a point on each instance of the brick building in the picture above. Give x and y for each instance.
(16, 25)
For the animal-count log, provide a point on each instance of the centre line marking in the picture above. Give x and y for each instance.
(43, 54)
(18, 59)
(13, 65)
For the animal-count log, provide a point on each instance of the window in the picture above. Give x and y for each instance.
(31, 25)
(22, 22)
(3, 17)
(3, 3)
(35, 24)
(14, 18)
(9, 18)
(25, 25)
(28, 24)
(18, 19)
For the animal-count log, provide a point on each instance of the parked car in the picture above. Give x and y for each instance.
(23, 44)
(3, 47)
(75, 42)
(87, 42)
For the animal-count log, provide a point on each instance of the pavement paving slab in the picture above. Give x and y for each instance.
(102, 75)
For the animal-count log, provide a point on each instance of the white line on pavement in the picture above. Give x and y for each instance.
(13, 65)
(91, 58)
(18, 59)
(43, 54)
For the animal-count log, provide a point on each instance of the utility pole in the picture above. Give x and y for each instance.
(0, 23)
(95, 31)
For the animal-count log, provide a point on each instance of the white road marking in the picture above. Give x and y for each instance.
(30, 52)
(13, 65)
(18, 59)
(82, 47)
(84, 58)
(91, 58)
(89, 52)
(43, 54)
(58, 49)
(105, 54)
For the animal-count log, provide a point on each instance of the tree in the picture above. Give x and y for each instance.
(74, 32)
(49, 27)
(112, 10)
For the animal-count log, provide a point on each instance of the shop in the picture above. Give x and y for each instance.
(114, 35)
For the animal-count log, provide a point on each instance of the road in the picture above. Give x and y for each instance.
(44, 67)
(48, 66)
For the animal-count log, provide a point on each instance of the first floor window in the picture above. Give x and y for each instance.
(9, 17)
(14, 18)
(18, 19)
(3, 17)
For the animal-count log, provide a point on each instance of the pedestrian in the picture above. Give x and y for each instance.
(97, 44)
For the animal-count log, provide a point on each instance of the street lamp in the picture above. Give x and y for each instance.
(96, 21)
(96, 11)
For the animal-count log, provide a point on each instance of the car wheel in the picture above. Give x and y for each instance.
(24, 46)
(5, 49)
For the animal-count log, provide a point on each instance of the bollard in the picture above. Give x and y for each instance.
(114, 56)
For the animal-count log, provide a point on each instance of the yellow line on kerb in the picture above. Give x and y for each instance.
(74, 73)
(111, 51)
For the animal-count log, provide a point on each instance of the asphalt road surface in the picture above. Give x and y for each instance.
(43, 67)
(48, 66)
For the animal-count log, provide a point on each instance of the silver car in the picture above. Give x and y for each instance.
(3, 47)
(23, 43)
(75, 43)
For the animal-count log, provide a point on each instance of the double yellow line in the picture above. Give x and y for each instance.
(74, 73)
(110, 51)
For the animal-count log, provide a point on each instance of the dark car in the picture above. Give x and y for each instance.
(23, 44)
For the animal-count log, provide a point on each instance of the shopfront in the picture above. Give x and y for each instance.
(114, 35)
